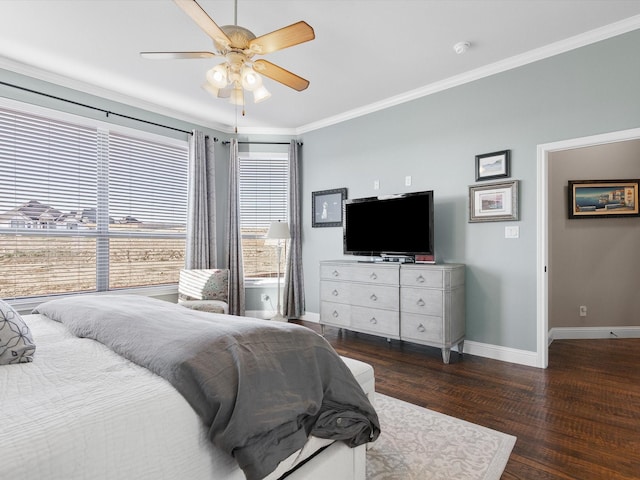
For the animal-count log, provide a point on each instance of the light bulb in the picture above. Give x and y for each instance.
(250, 79)
(217, 76)
(260, 94)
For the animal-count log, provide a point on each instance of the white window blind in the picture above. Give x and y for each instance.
(67, 208)
(264, 185)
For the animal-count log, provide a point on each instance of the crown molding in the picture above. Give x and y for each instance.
(587, 38)
(572, 43)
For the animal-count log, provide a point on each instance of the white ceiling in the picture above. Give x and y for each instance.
(367, 54)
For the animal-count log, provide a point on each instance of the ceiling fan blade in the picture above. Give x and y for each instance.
(176, 55)
(279, 74)
(204, 21)
(285, 37)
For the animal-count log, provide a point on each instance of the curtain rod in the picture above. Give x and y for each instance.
(107, 112)
(227, 142)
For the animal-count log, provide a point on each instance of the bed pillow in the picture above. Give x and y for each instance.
(16, 342)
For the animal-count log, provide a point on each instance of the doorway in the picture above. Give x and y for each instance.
(542, 254)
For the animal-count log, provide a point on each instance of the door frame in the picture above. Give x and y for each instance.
(542, 250)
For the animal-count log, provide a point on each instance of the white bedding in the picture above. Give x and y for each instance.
(80, 411)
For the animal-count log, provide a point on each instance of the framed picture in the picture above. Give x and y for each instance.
(492, 165)
(326, 207)
(603, 198)
(493, 202)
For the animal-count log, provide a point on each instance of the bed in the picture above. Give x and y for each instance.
(83, 410)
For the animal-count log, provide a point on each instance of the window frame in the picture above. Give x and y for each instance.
(256, 156)
(101, 128)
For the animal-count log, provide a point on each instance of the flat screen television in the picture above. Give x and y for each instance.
(390, 226)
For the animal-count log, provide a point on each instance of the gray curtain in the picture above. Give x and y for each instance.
(293, 298)
(201, 211)
(234, 240)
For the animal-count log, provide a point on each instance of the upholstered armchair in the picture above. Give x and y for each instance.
(206, 290)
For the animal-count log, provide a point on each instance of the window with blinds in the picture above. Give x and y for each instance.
(263, 189)
(85, 209)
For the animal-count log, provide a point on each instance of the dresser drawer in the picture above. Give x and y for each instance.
(421, 277)
(369, 273)
(422, 328)
(339, 292)
(337, 314)
(422, 301)
(375, 296)
(435, 276)
(382, 322)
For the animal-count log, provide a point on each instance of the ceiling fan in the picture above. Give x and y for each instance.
(238, 46)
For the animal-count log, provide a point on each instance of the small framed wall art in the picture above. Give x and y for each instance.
(326, 207)
(493, 202)
(493, 165)
(603, 198)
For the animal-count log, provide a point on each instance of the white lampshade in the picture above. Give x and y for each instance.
(261, 93)
(250, 79)
(278, 231)
(211, 89)
(237, 96)
(217, 76)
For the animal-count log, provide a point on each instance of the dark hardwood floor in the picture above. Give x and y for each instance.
(578, 419)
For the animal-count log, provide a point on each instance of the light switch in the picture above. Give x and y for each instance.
(511, 232)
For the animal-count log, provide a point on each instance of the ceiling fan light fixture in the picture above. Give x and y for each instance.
(237, 96)
(260, 94)
(250, 79)
(218, 77)
(214, 91)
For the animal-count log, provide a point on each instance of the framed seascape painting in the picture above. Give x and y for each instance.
(603, 198)
(493, 202)
(326, 207)
(492, 165)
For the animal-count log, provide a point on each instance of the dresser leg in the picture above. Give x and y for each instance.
(460, 347)
(322, 329)
(445, 354)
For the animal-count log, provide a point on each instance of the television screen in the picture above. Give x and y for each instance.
(389, 225)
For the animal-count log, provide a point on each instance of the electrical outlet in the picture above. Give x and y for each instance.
(264, 297)
(583, 310)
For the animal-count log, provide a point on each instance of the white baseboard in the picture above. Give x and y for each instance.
(504, 354)
(311, 317)
(496, 352)
(576, 333)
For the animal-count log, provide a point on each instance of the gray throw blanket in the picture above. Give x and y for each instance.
(260, 387)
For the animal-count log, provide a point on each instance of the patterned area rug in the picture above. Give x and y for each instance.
(419, 444)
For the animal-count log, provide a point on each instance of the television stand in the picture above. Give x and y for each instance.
(419, 303)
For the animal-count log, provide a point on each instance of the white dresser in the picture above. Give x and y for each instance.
(419, 303)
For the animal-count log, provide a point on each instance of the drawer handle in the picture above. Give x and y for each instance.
(373, 320)
(420, 303)
(420, 279)
(335, 314)
(373, 276)
(373, 297)
(335, 273)
(421, 328)
(334, 293)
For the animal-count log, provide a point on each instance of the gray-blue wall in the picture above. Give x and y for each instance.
(435, 139)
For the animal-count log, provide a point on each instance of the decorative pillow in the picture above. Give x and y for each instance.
(16, 342)
(216, 287)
